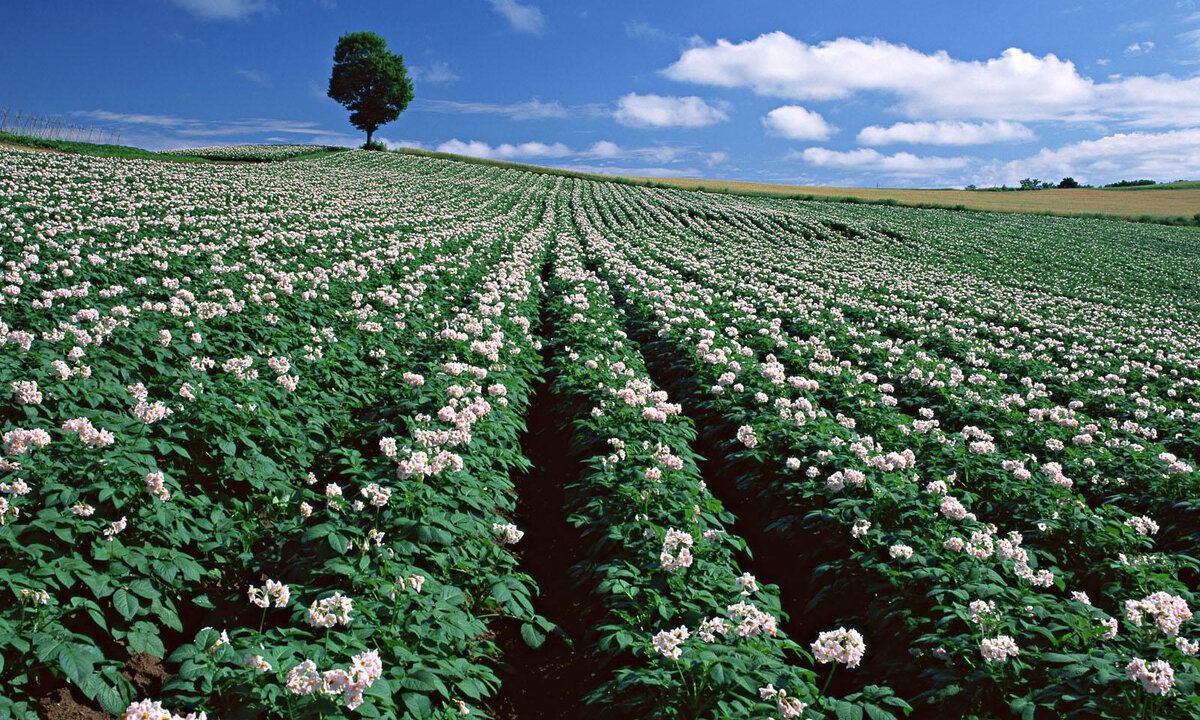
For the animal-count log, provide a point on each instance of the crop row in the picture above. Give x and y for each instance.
(922, 509)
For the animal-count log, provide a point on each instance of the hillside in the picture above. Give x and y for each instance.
(362, 434)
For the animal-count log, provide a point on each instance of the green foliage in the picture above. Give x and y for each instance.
(369, 80)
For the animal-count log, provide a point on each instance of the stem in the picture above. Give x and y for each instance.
(830, 677)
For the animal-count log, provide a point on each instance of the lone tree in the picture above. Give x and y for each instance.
(369, 80)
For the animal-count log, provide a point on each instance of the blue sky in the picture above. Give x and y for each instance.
(865, 93)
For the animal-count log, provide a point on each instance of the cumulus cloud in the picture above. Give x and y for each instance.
(505, 151)
(797, 123)
(605, 149)
(522, 18)
(223, 9)
(945, 132)
(867, 159)
(658, 111)
(1162, 156)
(434, 72)
(602, 151)
(1017, 86)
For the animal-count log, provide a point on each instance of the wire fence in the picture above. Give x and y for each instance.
(53, 127)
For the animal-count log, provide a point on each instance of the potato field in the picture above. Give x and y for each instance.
(374, 435)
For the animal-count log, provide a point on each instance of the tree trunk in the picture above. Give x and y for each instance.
(369, 134)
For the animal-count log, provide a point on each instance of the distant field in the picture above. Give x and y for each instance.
(1178, 200)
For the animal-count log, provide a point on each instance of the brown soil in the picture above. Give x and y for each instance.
(548, 682)
(61, 704)
(146, 673)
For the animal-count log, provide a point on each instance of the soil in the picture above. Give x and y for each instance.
(62, 704)
(551, 681)
(146, 672)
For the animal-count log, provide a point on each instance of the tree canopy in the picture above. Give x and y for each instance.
(369, 80)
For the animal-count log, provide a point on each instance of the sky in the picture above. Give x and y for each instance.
(868, 93)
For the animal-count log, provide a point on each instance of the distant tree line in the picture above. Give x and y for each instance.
(1066, 183)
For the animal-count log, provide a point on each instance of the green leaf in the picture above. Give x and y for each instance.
(419, 705)
(533, 637)
(338, 542)
(847, 711)
(78, 660)
(125, 603)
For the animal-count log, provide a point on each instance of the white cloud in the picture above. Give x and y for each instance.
(1191, 37)
(529, 110)
(223, 9)
(945, 132)
(193, 128)
(867, 159)
(658, 111)
(1167, 156)
(605, 149)
(258, 77)
(1016, 86)
(505, 151)
(1139, 48)
(522, 18)
(797, 123)
(434, 72)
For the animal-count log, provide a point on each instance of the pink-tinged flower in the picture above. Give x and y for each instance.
(330, 611)
(256, 662)
(377, 494)
(334, 682)
(111, 532)
(999, 648)
(88, 435)
(25, 392)
(712, 627)
(1167, 611)
(304, 679)
(952, 508)
(1142, 525)
(187, 392)
(676, 550)
(788, 707)
(153, 710)
(746, 436)
(305, 509)
(841, 645)
(21, 441)
(82, 509)
(751, 621)
(667, 642)
(1157, 678)
(155, 486)
(899, 552)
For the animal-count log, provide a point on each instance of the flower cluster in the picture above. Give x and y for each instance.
(676, 550)
(272, 592)
(330, 611)
(841, 645)
(508, 532)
